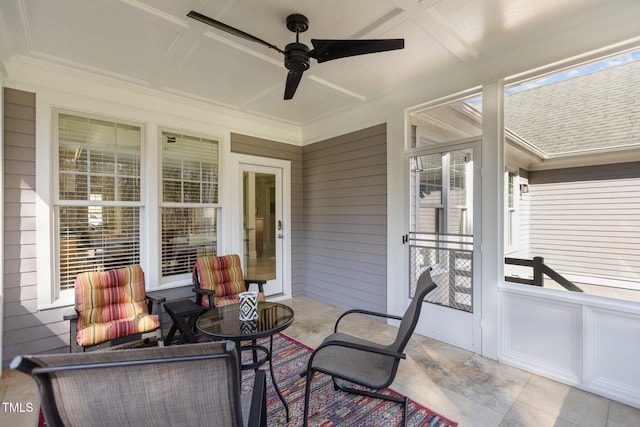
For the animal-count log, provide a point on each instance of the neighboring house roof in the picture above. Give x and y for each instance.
(598, 110)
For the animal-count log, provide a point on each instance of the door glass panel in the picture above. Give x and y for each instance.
(431, 179)
(458, 200)
(260, 227)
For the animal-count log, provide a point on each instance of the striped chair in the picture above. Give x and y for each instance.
(112, 308)
(220, 280)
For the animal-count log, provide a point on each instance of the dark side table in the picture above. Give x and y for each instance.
(184, 314)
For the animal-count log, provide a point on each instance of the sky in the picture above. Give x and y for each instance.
(597, 66)
(553, 78)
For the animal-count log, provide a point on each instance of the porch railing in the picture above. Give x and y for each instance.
(450, 257)
(540, 269)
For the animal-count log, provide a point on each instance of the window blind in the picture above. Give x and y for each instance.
(97, 238)
(96, 157)
(98, 210)
(187, 233)
(189, 169)
(189, 196)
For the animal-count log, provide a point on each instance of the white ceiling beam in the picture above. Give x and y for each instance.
(25, 25)
(273, 88)
(453, 32)
(245, 49)
(156, 13)
(424, 14)
(382, 25)
(336, 87)
(6, 48)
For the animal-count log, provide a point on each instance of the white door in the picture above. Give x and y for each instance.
(262, 232)
(443, 209)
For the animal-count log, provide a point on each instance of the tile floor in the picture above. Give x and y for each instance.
(465, 387)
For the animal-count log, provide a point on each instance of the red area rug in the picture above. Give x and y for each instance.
(328, 407)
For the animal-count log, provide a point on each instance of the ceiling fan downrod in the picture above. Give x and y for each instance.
(296, 55)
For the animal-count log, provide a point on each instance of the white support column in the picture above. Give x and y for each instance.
(492, 211)
(397, 273)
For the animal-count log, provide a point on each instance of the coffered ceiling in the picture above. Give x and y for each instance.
(152, 43)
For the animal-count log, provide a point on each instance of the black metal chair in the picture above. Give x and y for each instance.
(363, 362)
(186, 385)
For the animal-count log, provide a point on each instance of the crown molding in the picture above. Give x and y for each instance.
(39, 75)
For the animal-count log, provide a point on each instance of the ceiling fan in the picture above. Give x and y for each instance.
(296, 55)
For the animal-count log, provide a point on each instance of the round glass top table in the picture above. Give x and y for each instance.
(223, 323)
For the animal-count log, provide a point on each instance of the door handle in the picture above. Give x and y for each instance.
(279, 225)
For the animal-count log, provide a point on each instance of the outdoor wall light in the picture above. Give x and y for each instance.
(416, 164)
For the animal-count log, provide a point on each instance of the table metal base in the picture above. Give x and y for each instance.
(256, 362)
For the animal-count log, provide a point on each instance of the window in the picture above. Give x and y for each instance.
(510, 218)
(98, 200)
(189, 201)
(443, 209)
(99, 205)
(431, 197)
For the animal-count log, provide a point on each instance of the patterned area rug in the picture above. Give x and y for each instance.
(328, 407)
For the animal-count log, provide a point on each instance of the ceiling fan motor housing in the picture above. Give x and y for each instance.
(296, 57)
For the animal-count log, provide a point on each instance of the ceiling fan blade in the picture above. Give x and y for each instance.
(327, 50)
(293, 80)
(231, 30)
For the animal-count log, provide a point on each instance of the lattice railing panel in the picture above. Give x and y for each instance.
(451, 268)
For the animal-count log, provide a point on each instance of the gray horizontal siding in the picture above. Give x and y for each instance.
(345, 219)
(586, 173)
(25, 329)
(243, 144)
(586, 221)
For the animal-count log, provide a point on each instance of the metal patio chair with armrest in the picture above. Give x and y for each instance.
(187, 385)
(112, 308)
(363, 362)
(218, 281)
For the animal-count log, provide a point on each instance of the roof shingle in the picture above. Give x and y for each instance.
(592, 111)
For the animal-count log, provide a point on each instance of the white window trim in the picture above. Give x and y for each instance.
(47, 250)
(150, 167)
(44, 215)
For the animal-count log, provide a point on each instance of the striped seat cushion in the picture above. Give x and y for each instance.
(222, 275)
(111, 304)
